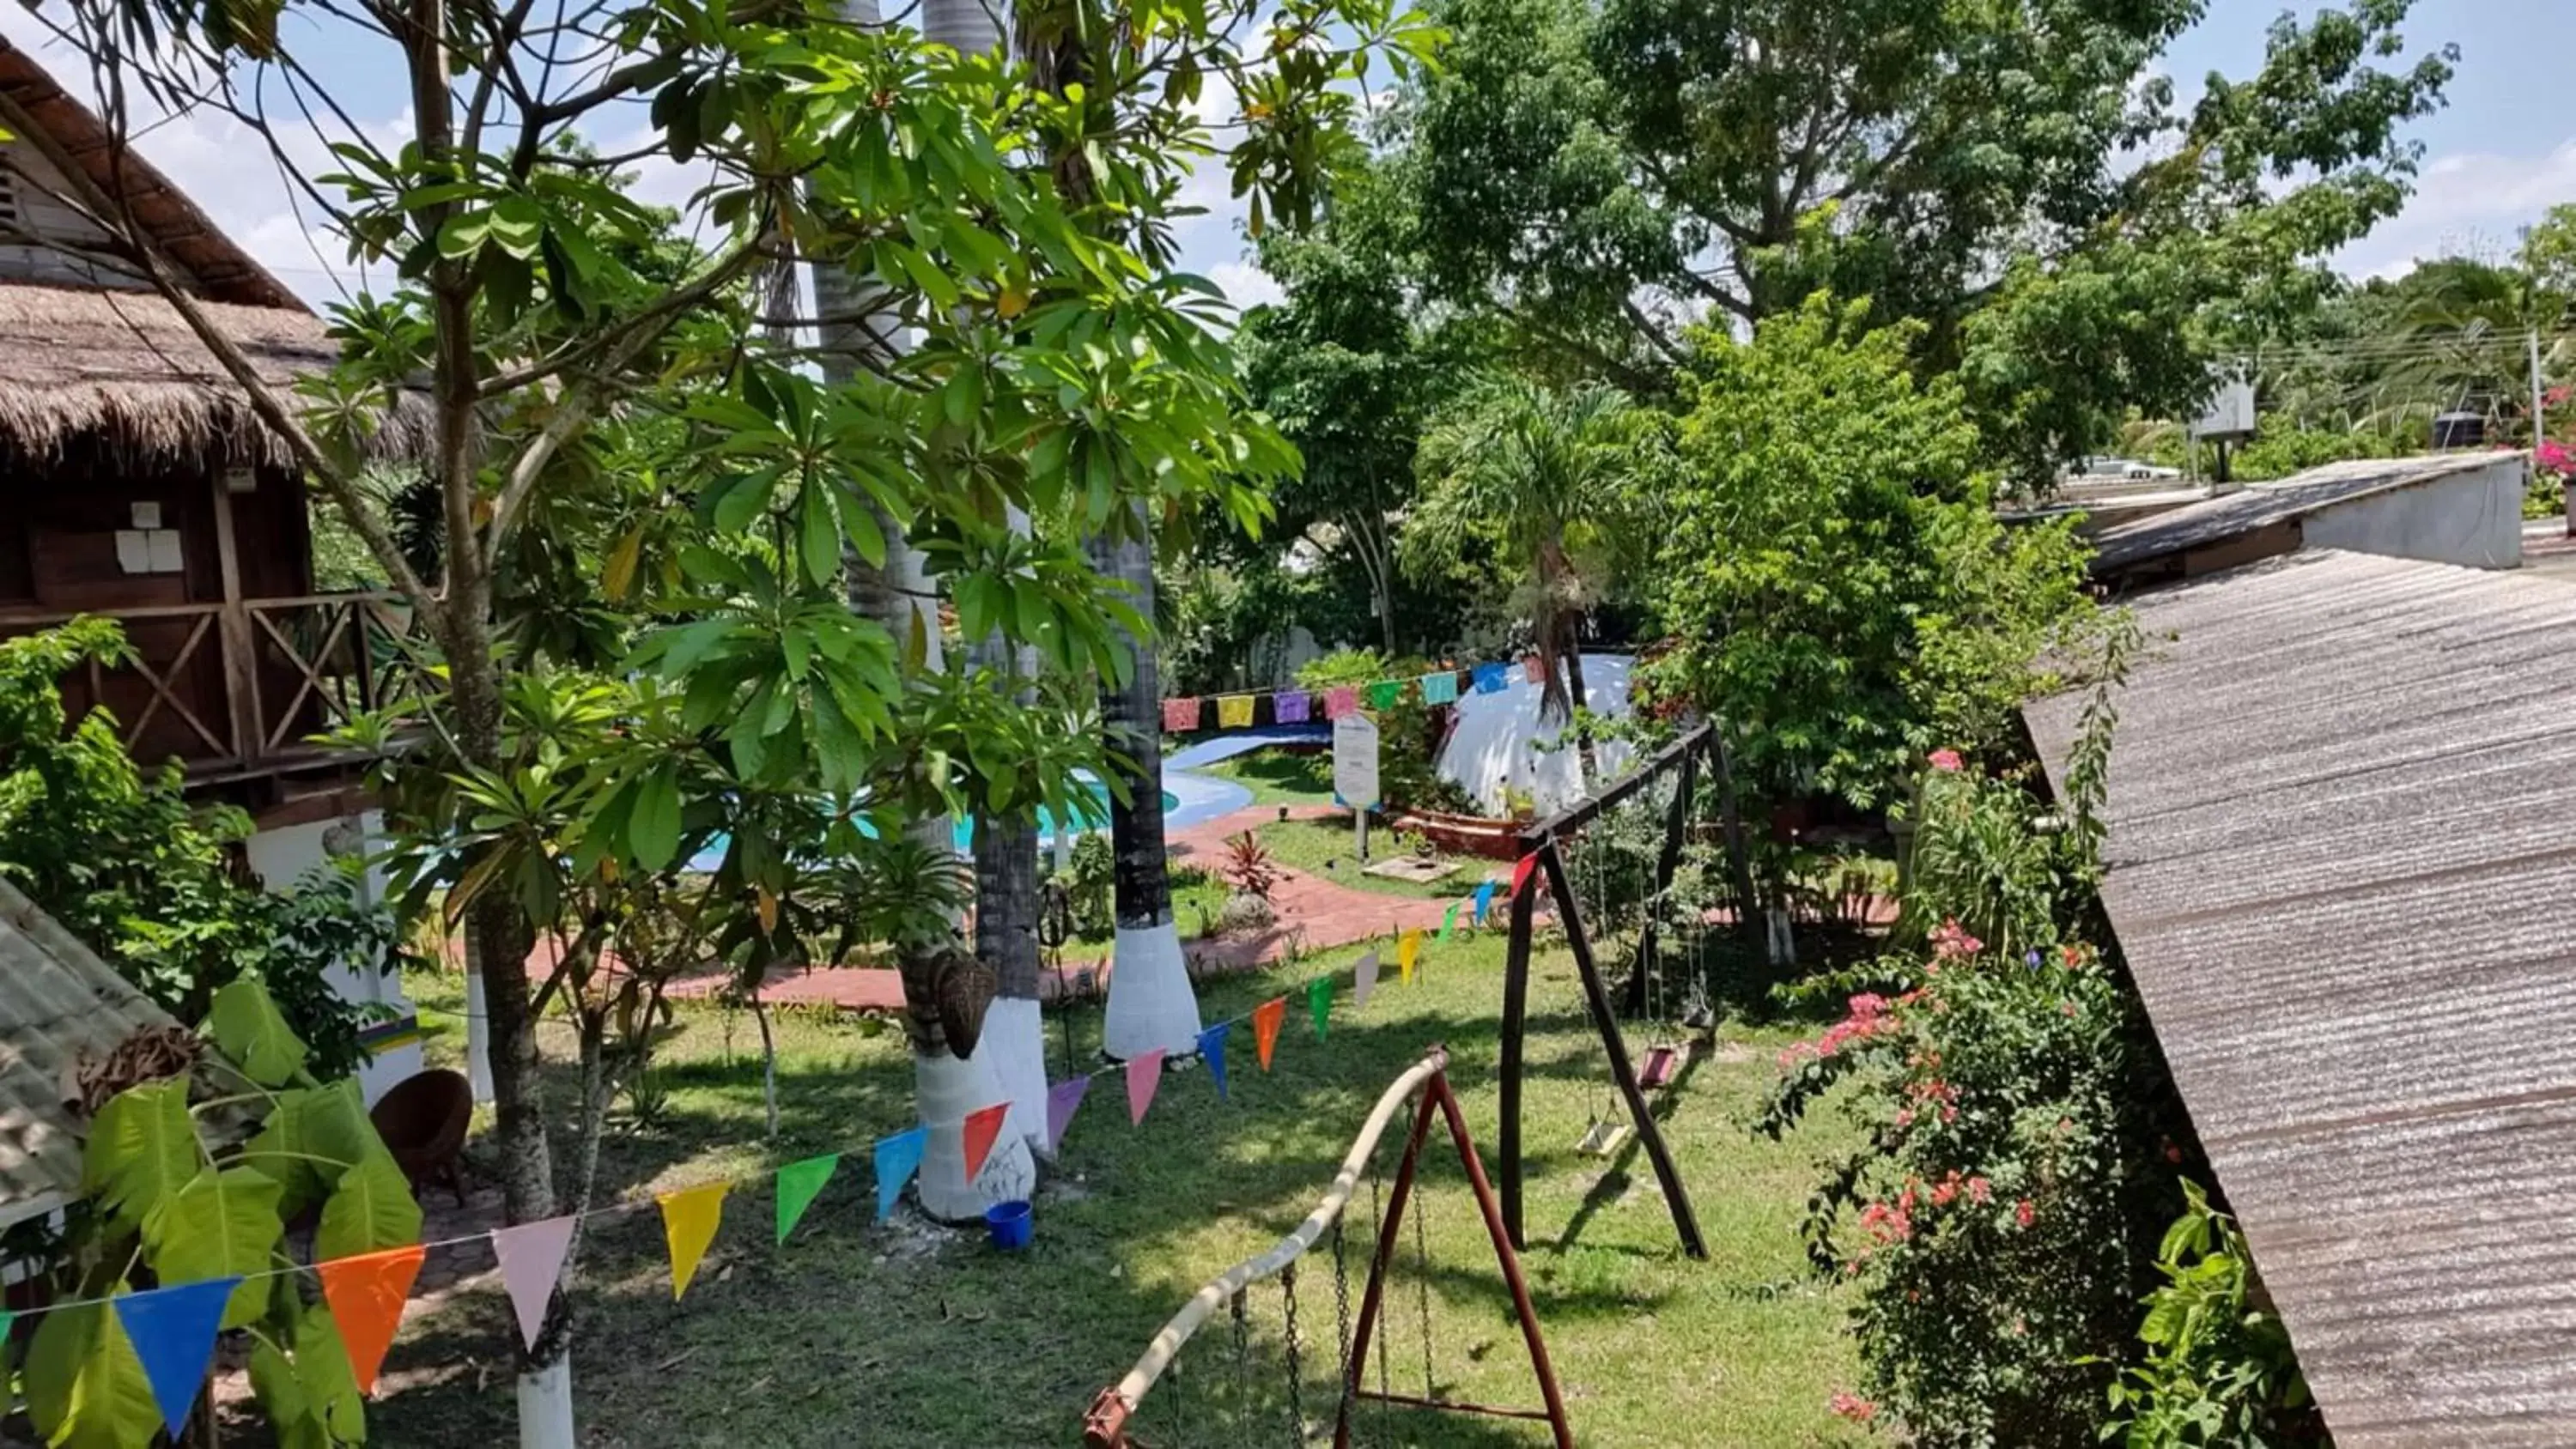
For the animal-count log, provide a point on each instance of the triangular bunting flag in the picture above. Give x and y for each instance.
(1363, 981)
(898, 1158)
(983, 1129)
(689, 1219)
(1408, 949)
(8, 1321)
(1212, 1052)
(1265, 1027)
(1449, 921)
(1521, 872)
(532, 1258)
(1319, 1004)
(1144, 1074)
(799, 1183)
(366, 1294)
(173, 1332)
(1484, 900)
(1063, 1100)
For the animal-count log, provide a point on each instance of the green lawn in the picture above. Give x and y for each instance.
(855, 1333)
(1280, 777)
(1323, 848)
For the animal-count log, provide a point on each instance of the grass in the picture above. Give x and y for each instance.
(1323, 848)
(1280, 777)
(926, 1337)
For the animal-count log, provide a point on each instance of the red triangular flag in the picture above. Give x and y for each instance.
(1521, 872)
(983, 1128)
(366, 1294)
(1144, 1074)
(1265, 1027)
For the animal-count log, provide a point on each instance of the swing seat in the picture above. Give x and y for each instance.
(1657, 1069)
(1602, 1138)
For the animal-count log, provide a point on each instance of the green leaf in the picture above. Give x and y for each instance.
(223, 1224)
(821, 535)
(311, 1136)
(371, 1209)
(284, 1400)
(653, 827)
(142, 1149)
(248, 1028)
(85, 1387)
(322, 1363)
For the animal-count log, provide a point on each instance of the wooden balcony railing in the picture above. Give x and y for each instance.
(241, 688)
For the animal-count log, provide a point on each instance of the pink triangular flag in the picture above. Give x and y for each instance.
(1144, 1074)
(983, 1128)
(532, 1257)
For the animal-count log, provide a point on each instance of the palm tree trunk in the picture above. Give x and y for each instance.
(900, 597)
(1151, 1003)
(1580, 695)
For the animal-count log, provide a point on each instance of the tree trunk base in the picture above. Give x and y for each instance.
(947, 1091)
(1014, 1043)
(1151, 1004)
(478, 1035)
(545, 1407)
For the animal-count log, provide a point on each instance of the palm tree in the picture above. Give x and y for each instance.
(1151, 1003)
(901, 597)
(1546, 477)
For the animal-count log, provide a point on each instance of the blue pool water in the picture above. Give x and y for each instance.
(1187, 800)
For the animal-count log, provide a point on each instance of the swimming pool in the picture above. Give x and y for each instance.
(1188, 799)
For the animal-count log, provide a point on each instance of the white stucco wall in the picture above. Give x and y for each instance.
(2471, 518)
(282, 855)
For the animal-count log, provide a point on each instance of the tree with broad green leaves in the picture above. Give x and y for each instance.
(2019, 177)
(1057, 369)
(1843, 598)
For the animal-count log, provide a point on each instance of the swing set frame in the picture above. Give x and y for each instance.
(1540, 840)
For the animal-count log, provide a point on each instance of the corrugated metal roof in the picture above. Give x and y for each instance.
(2340, 865)
(57, 1002)
(2260, 505)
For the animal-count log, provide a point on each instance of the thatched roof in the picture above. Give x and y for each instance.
(70, 134)
(124, 370)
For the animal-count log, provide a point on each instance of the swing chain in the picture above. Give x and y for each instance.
(1422, 1285)
(1242, 1358)
(1296, 1394)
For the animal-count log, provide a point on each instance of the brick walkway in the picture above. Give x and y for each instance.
(1313, 914)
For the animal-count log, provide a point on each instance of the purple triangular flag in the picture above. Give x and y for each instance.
(173, 1332)
(1363, 981)
(1063, 1099)
(532, 1258)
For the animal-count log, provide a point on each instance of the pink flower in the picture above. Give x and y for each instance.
(1853, 1407)
(1952, 940)
(1980, 1190)
(2551, 455)
(1945, 760)
(2023, 1212)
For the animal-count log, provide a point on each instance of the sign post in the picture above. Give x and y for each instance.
(1355, 771)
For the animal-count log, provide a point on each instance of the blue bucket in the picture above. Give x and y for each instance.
(1010, 1225)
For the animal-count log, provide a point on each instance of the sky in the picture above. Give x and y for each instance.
(2500, 154)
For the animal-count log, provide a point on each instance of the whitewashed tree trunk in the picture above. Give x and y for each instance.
(478, 1029)
(1151, 1003)
(545, 1407)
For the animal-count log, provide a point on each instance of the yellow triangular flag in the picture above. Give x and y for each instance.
(1405, 950)
(689, 1219)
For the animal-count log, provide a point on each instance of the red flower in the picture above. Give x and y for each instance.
(1945, 760)
(1979, 1190)
(1853, 1407)
(2023, 1212)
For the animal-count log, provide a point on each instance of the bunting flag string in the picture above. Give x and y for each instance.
(799, 1183)
(898, 1158)
(532, 1259)
(173, 1333)
(366, 1294)
(1386, 693)
(1341, 701)
(1063, 1100)
(1212, 1052)
(983, 1129)
(1186, 714)
(1491, 678)
(1265, 1039)
(689, 1219)
(1290, 706)
(1144, 1077)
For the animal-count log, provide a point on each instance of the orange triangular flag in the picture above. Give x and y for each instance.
(689, 1218)
(366, 1294)
(1265, 1027)
(983, 1129)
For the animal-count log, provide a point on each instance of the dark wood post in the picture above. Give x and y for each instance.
(1516, 965)
(241, 667)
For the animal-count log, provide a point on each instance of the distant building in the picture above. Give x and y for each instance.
(2457, 508)
(137, 483)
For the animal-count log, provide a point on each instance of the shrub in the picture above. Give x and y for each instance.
(1249, 868)
(2218, 1370)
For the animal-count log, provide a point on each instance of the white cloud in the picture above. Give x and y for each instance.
(2474, 202)
(1245, 284)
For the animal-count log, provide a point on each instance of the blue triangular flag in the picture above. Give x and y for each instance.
(1484, 900)
(898, 1158)
(173, 1332)
(1491, 678)
(1212, 1052)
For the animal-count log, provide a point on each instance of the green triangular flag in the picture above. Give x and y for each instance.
(8, 1320)
(1449, 922)
(1319, 1000)
(799, 1183)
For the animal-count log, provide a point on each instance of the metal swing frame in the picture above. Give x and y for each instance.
(1540, 840)
(1106, 1425)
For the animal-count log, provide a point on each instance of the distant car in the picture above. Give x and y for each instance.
(2123, 468)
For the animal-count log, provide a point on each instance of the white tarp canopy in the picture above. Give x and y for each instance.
(1500, 744)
